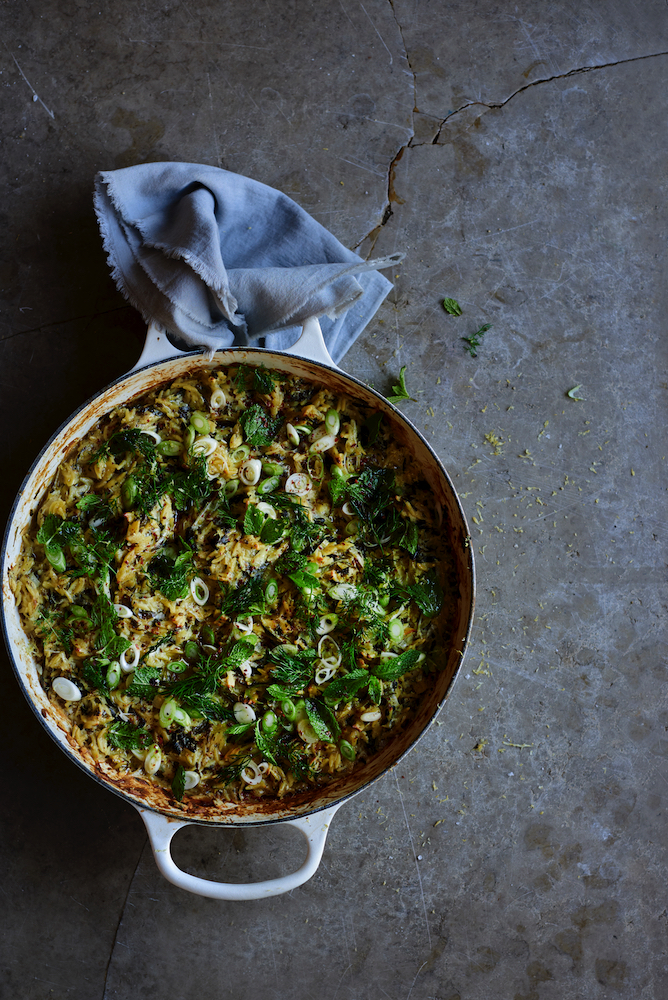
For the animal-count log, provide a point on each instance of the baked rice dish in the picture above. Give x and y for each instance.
(237, 587)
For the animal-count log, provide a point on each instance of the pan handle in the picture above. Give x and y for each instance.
(311, 345)
(161, 829)
(156, 347)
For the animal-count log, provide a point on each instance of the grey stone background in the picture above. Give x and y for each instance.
(517, 154)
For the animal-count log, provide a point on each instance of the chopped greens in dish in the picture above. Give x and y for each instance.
(236, 586)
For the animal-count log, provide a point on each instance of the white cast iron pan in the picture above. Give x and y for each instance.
(312, 812)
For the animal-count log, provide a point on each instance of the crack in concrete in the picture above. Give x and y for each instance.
(392, 197)
(120, 921)
(535, 83)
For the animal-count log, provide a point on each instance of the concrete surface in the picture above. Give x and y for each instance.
(517, 154)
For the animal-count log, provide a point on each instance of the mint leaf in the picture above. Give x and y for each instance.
(396, 666)
(253, 520)
(400, 391)
(259, 427)
(452, 306)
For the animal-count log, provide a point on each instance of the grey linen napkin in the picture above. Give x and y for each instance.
(219, 259)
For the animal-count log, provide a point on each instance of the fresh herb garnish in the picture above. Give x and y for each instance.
(393, 668)
(427, 594)
(232, 771)
(179, 783)
(104, 618)
(266, 744)
(95, 673)
(294, 670)
(259, 427)
(253, 520)
(126, 736)
(452, 306)
(248, 599)
(129, 440)
(345, 688)
(320, 720)
(400, 391)
(475, 339)
(264, 381)
(145, 683)
(169, 573)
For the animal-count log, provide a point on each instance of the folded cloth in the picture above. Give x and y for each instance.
(219, 259)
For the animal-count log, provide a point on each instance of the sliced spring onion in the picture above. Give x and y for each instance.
(178, 666)
(191, 650)
(231, 487)
(348, 510)
(199, 591)
(240, 454)
(152, 434)
(129, 491)
(329, 652)
(316, 467)
(269, 722)
(271, 591)
(153, 760)
(217, 400)
(123, 611)
(65, 689)
(207, 635)
(298, 484)
(246, 669)
(251, 773)
(384, 600)
(244, 626)
(269, 485)
(347, 750)
(396, 630)
(339, 473)
(204, 446)
(190, 438)
(113, 675)
(181, 717)
(322, 444)
(332, 421)
(56, 556)
(293, 434)
(244, 713)
(324, 674)
(190, 779)
(272, 469)
(303, 428)
(250, 472)
(167, 712)
(129, 659)
(267, 509)
(327, 623)
(200, 422)
(343, 591)
(352, 527)
(209, 649)
(306, 731)
(169, 448)
(289, 710)
(372, 716)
